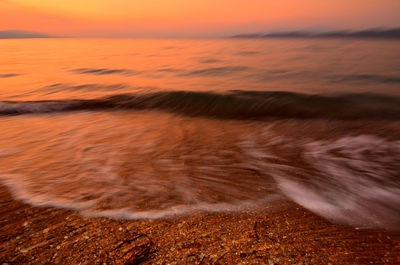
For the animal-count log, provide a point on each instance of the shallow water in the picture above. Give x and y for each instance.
(139, 128)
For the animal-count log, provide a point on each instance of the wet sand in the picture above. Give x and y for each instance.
(285, 233)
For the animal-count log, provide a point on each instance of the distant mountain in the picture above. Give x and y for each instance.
(20, 34)
(371, 33)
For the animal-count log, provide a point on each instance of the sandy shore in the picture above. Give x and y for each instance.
(283, 234)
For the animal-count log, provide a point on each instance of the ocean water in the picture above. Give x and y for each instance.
(151, 128)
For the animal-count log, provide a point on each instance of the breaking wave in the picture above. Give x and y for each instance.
(237, 104)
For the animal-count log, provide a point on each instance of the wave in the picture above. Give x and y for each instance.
(104, 71)
(156, 168)
(8, 75)
(237, 104)
(215, 71)
(351, 180)
(366, 78)
(360, 184)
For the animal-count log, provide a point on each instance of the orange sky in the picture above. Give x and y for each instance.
(192, 17)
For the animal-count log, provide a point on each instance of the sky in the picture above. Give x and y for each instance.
(175, 18)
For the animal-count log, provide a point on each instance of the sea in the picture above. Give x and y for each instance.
(158, 128)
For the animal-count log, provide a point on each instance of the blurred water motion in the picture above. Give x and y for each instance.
(153, 128)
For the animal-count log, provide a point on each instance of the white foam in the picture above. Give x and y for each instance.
(130, 172)
(360, 184)
(109, 167)
(88, 207)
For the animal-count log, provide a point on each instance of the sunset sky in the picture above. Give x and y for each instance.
(123, 18)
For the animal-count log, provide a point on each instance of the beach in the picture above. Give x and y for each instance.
(283, 234)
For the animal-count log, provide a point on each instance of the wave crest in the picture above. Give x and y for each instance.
(237, 104)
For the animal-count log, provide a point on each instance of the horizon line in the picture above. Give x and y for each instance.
(374, 32)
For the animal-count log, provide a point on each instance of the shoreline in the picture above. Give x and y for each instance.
(283, 234)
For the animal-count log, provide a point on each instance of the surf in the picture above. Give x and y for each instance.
(238, 104)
